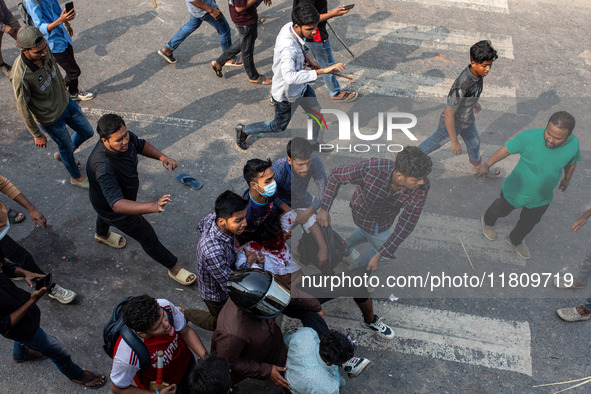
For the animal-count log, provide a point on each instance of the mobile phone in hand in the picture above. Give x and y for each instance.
(348, 7)
(46, 281)
(69, 6)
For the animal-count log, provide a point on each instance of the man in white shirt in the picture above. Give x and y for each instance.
(290, 78)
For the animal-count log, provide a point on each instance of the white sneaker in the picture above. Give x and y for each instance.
(64, 296)
(382, 329)
(82, 95)
(355, 366)
(350, 258)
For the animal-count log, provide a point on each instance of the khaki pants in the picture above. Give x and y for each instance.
(206, 320)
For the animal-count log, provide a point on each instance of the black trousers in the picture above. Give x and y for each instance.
(11, 250)
(139, 229)
(68, 63)
(528, 218)
(248, 35)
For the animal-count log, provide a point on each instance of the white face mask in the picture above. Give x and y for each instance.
(269, 190)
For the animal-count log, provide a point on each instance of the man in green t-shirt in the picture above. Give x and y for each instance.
(545, 153)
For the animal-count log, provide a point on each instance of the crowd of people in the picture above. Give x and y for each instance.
(246, 271)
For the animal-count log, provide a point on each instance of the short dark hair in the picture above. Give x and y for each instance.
(563, 120)
(227, 203)
(335, 348)
(413, 162)
(141, 313)
(305, 14)
(299, 148)
(482, 52)
(210, 376)
(254, 167)
(109, 124)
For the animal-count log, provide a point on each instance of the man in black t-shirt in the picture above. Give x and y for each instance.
(114, 183)
(321, 50)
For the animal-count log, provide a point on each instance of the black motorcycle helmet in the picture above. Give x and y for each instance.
(257, 293)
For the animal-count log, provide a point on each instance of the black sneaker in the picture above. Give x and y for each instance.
(169, 58)
(241, 136)
(355, 366)
(381, 329)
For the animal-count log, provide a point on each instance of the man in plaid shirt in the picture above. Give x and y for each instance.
(384, 187)
(216, 256)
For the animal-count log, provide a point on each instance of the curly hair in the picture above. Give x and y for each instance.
(335, 348)
(413, 162)
(141, 313)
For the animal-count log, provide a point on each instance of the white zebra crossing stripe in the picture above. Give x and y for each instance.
(499, 6)
(442, 233)
(426, 37)
(371, 81)
(441, 334)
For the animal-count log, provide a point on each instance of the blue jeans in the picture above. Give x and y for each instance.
(283, 113)
(52, 348)
(221, 26)
(440, 137)
(66, 145)
(375, 240)
(322, 53)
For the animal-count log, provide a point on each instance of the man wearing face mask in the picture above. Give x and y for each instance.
(261, 194)
(544, 155)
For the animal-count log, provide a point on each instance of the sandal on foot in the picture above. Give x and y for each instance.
(93, 378)
(57, 156)
(31, 356)
(262, 80)
(169, 58)
(218, 71)
(571, 315)
(183, 277)
(113, 241)
(236, 62)
(13, 215)
(83, 185)
(346, 95)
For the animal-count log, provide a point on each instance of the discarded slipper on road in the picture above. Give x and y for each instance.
(183, 277)
(189, 181)
(113, 241)
(12, 216)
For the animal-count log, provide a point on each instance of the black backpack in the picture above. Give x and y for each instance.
(308, 250)
(115, 328)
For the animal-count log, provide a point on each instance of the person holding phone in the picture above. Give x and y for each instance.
(12, 250)
(19, 322)
(54, 23)
(321, 50)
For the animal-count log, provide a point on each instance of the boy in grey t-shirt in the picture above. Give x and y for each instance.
(462, 103)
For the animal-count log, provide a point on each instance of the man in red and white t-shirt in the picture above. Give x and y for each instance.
(147, 317)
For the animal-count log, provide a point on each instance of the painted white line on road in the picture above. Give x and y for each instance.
(431, 37)
(500, 6)
(371, 81)
(439, 233)
(441, 334)
(144, 118)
